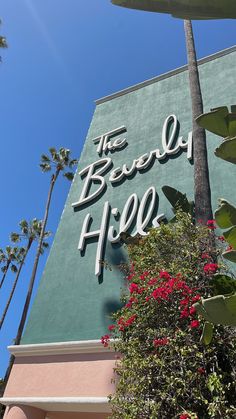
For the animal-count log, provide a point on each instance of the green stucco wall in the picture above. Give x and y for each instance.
(71, 303)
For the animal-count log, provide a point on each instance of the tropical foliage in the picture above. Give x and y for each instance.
(57, 162)
(29, 232)
(172, 365)
(222, 309)
(9, 258)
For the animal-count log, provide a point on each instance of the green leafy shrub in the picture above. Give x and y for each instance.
(165, 369)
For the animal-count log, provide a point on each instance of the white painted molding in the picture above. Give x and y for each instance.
(59, 348)
(61, 404)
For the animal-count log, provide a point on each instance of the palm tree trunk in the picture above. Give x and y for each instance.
(14, 285)
(36, 261)
(202, 191)
(32, 279)
(4, 275)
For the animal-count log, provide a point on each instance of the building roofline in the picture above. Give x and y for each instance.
(164, 75)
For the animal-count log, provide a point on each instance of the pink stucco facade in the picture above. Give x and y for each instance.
(62, 375)
(60, 385)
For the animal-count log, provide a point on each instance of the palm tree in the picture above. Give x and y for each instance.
(7, 257)
(30, 231)
(58, 161)
(202, 191)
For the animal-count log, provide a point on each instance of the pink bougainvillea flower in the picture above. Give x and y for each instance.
(184, 416)
(161, 342)
(130, 277)
(192, 311)
(130, 320)
(133, 288)
(211, 268)
(205, 256)
(111, 327)
(122, 323)
(194, 324)
(164, 275)
(161, 293)
(196, 298)
(144, 275)
(211, 224)
(184, 313)
(184, 302)
(105, 340)
(131, 301)
(152, 281)
(201, 370)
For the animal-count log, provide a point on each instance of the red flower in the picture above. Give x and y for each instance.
(211, 268)
(196, 298)
(184, 416)
(143, 276)
(205, 256)
(211, 224)
(125, 323)
(161, 342)
(184, 313)
(129, 277)
(194, 324)
(221, 238)
(229, 248)
(130, 320)
(130, 302)
(201, 370)
(111, 327)
(161, 293)
(184, 302)
(164, 275)
(192, 310)
(104, 340)
(152, 281)
(133, 288)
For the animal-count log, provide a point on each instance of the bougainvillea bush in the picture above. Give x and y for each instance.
(164, 370)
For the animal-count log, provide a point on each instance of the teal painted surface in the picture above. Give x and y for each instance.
(71, 304)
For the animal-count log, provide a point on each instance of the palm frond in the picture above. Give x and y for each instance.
(69, 175)
(15, 237)
(46, 167)
(73, 163)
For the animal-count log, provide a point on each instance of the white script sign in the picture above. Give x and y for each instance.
(141, 213)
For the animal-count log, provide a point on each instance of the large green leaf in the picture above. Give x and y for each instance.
(218, 310)
(207, 333)
(185, 9)
(215, 121)
(178, 199)
(223, 284)
(225, 215)
(231, 122)
(230, 236)
(227, 150)
(230, 255)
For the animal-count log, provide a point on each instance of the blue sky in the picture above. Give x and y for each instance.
(62, 56)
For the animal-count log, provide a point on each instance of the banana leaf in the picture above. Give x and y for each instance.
(218, 310)
(225, 215)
